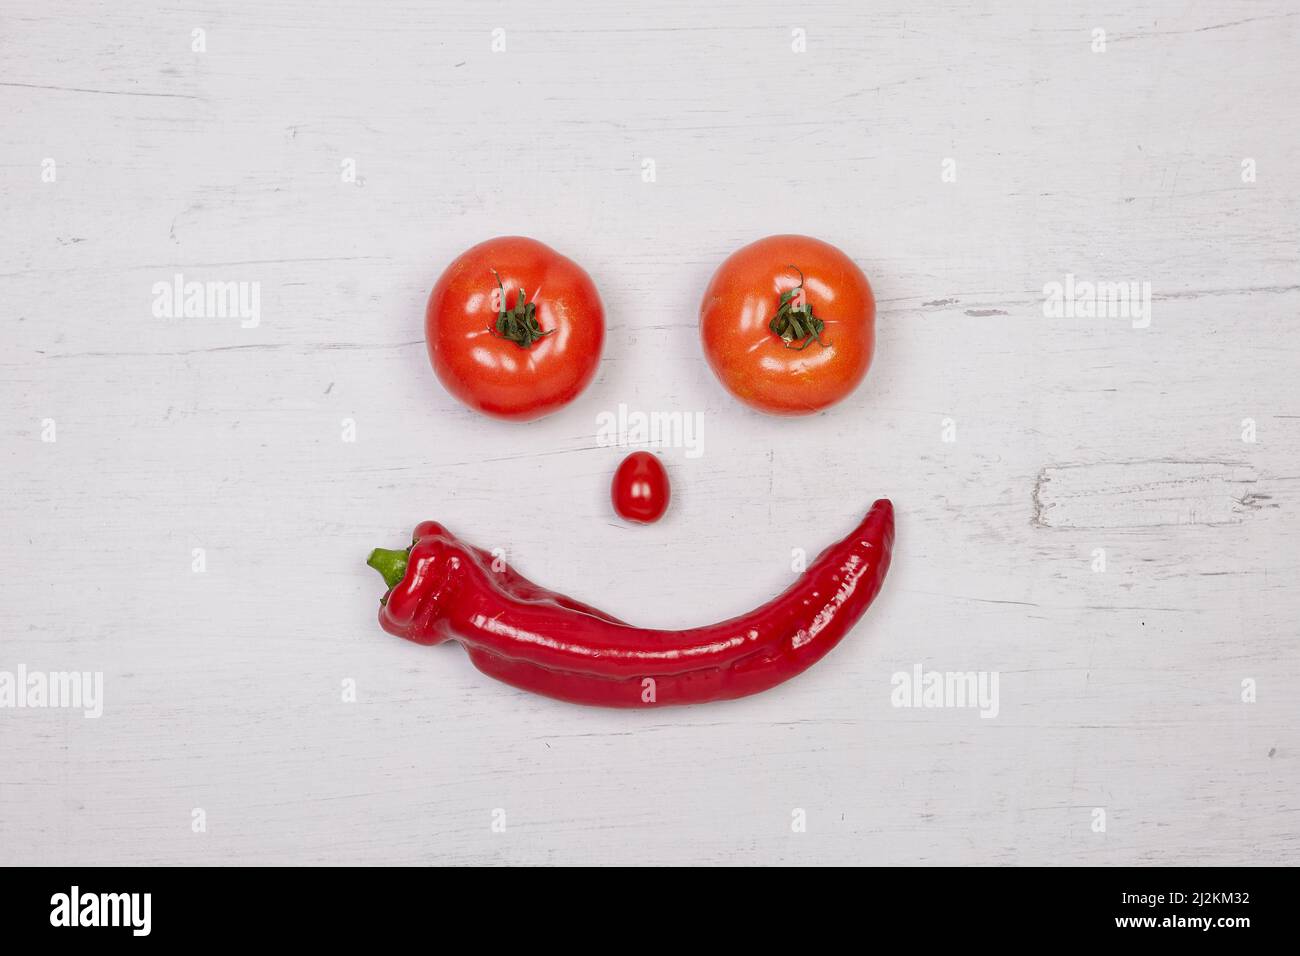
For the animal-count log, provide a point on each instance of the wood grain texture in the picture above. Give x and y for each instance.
(1147, 494)
(1120, 689)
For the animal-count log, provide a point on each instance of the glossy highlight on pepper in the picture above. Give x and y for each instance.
(516, 631)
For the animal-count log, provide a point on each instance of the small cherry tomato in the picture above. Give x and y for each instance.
(640, 489)
(788, 325)
(514, 328)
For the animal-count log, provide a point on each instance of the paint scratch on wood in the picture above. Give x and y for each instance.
(1150, 493)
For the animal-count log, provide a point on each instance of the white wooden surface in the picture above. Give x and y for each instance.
(1120, 690)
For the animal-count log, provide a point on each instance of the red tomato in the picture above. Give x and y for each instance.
(788, 325)
(640, 489)
(514, 328)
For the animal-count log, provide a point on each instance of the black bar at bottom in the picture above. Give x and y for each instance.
(334, 905)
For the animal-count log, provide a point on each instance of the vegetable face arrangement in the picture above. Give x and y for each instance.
(443, 589)
(515, 331)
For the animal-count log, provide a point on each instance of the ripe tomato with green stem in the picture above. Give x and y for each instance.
(514, 328)
(788, 325)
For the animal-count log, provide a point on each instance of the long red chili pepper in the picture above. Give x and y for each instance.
(442, 589)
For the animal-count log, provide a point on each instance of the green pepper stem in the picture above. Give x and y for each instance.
(391, 564)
